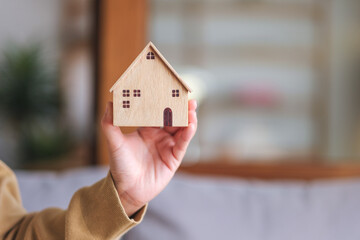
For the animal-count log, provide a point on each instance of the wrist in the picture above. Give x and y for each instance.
(129, 204)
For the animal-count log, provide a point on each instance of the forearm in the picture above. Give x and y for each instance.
(98, 212)
(94, 212)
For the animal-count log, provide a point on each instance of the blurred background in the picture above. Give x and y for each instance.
(277, 84)
(276, 80)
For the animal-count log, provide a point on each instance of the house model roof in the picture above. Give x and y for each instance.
(143, 54)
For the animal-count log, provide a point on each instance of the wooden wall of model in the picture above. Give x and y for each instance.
(122, 35)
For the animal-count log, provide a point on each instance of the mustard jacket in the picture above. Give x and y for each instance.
(94, 212)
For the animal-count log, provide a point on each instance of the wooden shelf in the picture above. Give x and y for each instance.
(274, 170)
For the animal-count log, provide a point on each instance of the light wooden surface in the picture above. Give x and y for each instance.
(156, 80)
(122, 35)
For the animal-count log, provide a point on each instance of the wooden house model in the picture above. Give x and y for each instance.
(150, 93)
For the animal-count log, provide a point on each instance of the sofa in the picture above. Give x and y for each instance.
(207, 208)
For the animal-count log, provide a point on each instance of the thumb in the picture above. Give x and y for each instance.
(113, 134)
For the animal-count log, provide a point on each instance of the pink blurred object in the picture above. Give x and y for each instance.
(257, 95)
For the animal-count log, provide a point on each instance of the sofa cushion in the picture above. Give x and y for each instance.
(206, 208)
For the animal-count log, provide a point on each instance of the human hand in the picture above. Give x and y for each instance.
(143, 162)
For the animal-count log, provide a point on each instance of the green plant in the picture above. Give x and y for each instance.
(29, 97)
(27, 88)
(44, 140)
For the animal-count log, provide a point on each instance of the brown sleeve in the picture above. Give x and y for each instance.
(94, 212)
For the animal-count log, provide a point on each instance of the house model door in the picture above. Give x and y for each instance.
(167, 117)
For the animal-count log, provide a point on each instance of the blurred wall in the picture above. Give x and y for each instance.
(281, 75)
(28, 21)
(262, 57)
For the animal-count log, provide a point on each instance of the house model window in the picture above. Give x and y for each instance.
(175, 93)
(137, 93)
(126, 104)
(126, 93)
(150, 55)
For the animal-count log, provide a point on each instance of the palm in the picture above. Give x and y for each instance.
(146, 153)
(143, 162)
